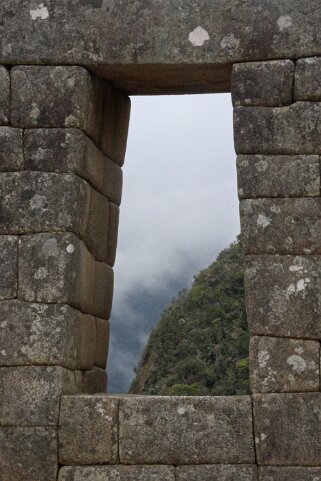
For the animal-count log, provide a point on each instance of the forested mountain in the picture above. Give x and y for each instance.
(200, 344)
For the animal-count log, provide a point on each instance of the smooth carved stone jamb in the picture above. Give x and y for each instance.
(58, 268)
(30, 395)
(112, 233)
(307, 84)
(94, 381)
(28, 454)
(70, 150)
(262, 176)
(268, 84)
(102, 342)
(284, 365)
(8, 265)
(11, 149)
(283, 130)
(270, 473)
(46, 96)
(47, 334)
(182, 430)
(117, 473)
(88, 430)
(228, 472)
(4, 96)
(281, 226)
(288, 429)
(283, 296)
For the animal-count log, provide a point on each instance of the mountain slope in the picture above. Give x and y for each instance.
(200, 344)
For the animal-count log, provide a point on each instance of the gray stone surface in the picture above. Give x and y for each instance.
(11, 149)
(28, 454)
(96, 236)
(281, 226)
(94, 381)
(307, 74)
(4, 95)
(284, 365)
(262, 176)
(117, 473)
(30, 396)
(288, 429)
(8, 265)
(289, 474)
(46, 334)
(283, 295)
(112, 233)
(266, 84)
(281, 130)
(51, 96)
(88, 430)
(217, 472)
(102, 342)
(182, 430)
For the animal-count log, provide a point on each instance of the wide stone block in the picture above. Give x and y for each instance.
(94, 381)
(30, 396)
(262, 176)
(58, 268)
(266, 84)
(51, 96)
(112, 233)
(288, 429)
(8, 265)
(182, 430)
(228, 472)
(307, 74)
(281, 226)
(102, 342)
(11, 149)
(117, 473)
(28, 454)
(4, 95)
(283, 296)
(270, 473)
(284, 365)
(46, 334)
(70, 150)
(88, 430)
(283, 130)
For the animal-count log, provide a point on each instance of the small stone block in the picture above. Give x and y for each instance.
(4, 95)
(11, 149)
(117, 473)
(102, 342)
(228, 472)
(112, 233)
(94, 381)
(88, 430)
(284, 365)
(8, 265)
(266, 84)
(307, 79)
(270, 473)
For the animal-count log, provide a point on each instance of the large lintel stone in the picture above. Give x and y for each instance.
(117, 473)
(271, 473)
(228, 472)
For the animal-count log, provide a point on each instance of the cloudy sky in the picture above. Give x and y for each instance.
(179, 210)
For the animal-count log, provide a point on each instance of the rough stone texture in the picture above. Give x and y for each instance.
(117, 473)
(112, 233)
(46, 334)
(4, 95)
(263, 83)
(289, 474)
(284, 365)
(88, 430)
(102, 342)
(94, 381)
(8, 265)
(262, 176)
(11, 148)
(288, 429)
(283, 295)
(281, 226)
(307, 74)
(30, 396)
(70, 150)
(216, 473)
(28, 454)
(197, 430)
(45, 96)
(285, 130)
(58, 268)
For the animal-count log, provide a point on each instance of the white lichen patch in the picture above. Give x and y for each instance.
(41, 273)
(263, 221)
(41, 12)
(38, 202)
(261, 165)
(297, 363)
(70, 248)
(285, 22)
(198, 37)
(230, 43)
(295, 268)
(263, 358)
(181, 411)
(34, 112)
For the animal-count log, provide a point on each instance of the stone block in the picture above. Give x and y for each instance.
(228, 472)
(283, 296)
(4, 95)
(96, 236)
(88, 430)
(288, 429)
(11, 149)
(94, 381)
(190, 430)
(307, 84)
(117, 473)
(271, 473)
(281, 226)
(104, 290)
(112, 233)
(46, 334)
(102, 342)
(266, 84)
(113, 181)
(51, 96)
(281, 130)
(8, 265)
(284, 365)
(262, 176)
(28, 454)
(30, 396)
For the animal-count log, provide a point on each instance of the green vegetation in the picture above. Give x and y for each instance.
(200, 344)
